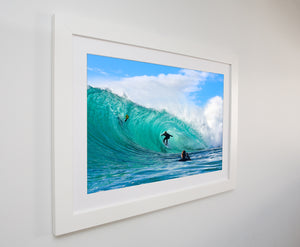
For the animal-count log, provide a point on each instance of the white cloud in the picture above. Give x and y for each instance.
(97, 70)
(160, 91)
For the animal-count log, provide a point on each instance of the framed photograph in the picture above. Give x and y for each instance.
(137, 125)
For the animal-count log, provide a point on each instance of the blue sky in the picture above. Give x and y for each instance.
(102, 69)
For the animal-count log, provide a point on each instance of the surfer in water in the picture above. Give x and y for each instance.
(167, 137)
(184, 156)
(126, 117)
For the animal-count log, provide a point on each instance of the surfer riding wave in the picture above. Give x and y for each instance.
(167, 137)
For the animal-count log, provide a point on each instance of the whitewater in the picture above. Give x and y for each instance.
(128, 153)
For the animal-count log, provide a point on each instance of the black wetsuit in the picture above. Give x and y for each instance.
(167, 137)
(185, 157)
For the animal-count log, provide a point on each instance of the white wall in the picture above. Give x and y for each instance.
(262, 211)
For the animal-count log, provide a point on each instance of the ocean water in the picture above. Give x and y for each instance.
(122, 154)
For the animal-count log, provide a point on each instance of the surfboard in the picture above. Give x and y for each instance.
(184, 160)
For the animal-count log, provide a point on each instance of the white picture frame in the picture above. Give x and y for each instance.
(73, 209)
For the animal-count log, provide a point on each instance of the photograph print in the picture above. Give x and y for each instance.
(148, 122)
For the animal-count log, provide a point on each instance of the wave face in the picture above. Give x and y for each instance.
(117, 149)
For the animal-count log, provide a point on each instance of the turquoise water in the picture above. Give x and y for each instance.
(122, 154)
